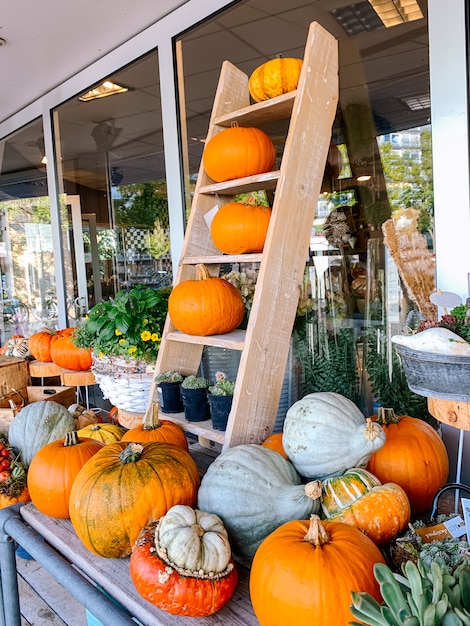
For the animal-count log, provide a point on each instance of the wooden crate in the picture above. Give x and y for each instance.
(14, 374)
(9, 407)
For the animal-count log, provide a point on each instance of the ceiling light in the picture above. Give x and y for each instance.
(357, 19)
(417, 103)
(364, 178)
(393, 12)
(102, 91)
(44, 160)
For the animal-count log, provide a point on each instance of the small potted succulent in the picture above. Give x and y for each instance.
(169, 388)
(194, 395)
(220, 396)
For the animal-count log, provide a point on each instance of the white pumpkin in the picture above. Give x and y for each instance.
(325, 434)
(254, 490)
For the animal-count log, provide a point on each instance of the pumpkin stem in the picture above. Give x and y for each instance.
(131, 454)
(151, 419)
(313, 489)
(202, 273)
(387, 416)
(71, 439)
(251, 200)
(96, 427)
(317, 534)
(372, 430)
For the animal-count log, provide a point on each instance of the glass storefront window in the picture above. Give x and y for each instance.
(113, 189)
(27, 290)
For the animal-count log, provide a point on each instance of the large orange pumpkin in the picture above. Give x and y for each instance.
(155, 429)
(53, 470)
(237, 152)
(303, 573)
(413, 456)
(205, 306)
(240, 227)
(125, 486)
(39, 344)
(66, 354)
(275, 77)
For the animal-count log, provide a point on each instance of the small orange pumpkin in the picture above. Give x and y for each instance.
(39, 344)
(240, 227)
(154, 429)
(237, 152)
(413, 456)
(275, 77)
(66, 354)
(205, 306)
(274, 442)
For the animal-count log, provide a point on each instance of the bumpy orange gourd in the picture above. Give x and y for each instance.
(53, 470)
(23, 496)
(125, 486)
(240, 227)
(66, 354)
(205, 306)
(303, 573)
(274, 442)
(275, 77)
(237, 152)
(107, 433)
(413, 456)
(155, 429)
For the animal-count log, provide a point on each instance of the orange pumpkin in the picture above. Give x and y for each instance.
(39, 344)
(123, 487)
(274, 442)
(303, 573)
(205, 306)
(413, 456)
(53, 470)
(6, 500)
(154, 429)
(275, 77)
(240, 227)
(66, 354)
(237, 152)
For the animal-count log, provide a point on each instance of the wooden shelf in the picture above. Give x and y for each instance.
(234, 340)
(265, 181)
(200, 429)
(221, 259)
(273, 110)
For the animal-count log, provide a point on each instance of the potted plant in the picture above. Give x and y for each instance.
(194, 395)
(220, 397)
(169, 387)
(125, 333)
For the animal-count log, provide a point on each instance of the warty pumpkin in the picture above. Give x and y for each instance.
(359, 499)
(66, 354)
(107, 433)
(36, 425)
(155, 429)
(303, 573)
(325, 434)
(183, 564)
(205, 306)
(254, 490)
(275, 77)
(240, 227)
(237, 152)
(53, 470)
(125, 486)
(413, 456)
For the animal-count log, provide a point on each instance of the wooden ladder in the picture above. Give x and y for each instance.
(309, 112)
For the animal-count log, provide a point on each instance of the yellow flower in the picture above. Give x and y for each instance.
(117, 332)
(155, 337)
(101, 355)
(132, 349)
(122, 342)
(145, 335)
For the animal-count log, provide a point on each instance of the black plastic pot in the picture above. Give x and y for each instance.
(170, 397)
(220, 409)
(196, 406)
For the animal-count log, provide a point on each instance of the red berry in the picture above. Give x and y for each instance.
(5, 453)
(5, 464)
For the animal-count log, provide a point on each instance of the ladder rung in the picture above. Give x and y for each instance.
(234, 340)
(223, 258)
(265, 181)
(279, 108)
(201, 429)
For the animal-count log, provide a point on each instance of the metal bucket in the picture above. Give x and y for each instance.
(436, 375)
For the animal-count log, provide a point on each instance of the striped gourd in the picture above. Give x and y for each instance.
(339, 492)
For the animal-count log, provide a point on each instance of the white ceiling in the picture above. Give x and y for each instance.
(50, 41)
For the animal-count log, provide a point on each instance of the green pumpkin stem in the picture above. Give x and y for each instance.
(151, 419)
(317, 534)
(387, 416)
(71, 439)
(131, 454)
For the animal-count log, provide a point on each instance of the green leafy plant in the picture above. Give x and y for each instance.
(129, 325)
(223, 386)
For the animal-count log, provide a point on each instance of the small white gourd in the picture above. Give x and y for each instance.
(326, 434)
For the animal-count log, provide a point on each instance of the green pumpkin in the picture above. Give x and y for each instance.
(38, 424)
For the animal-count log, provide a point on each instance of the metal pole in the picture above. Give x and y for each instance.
(10, 615)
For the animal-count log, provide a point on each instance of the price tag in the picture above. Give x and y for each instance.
(209, 216)
(445, 299)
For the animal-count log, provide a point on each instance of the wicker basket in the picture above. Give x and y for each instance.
(125, 383)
